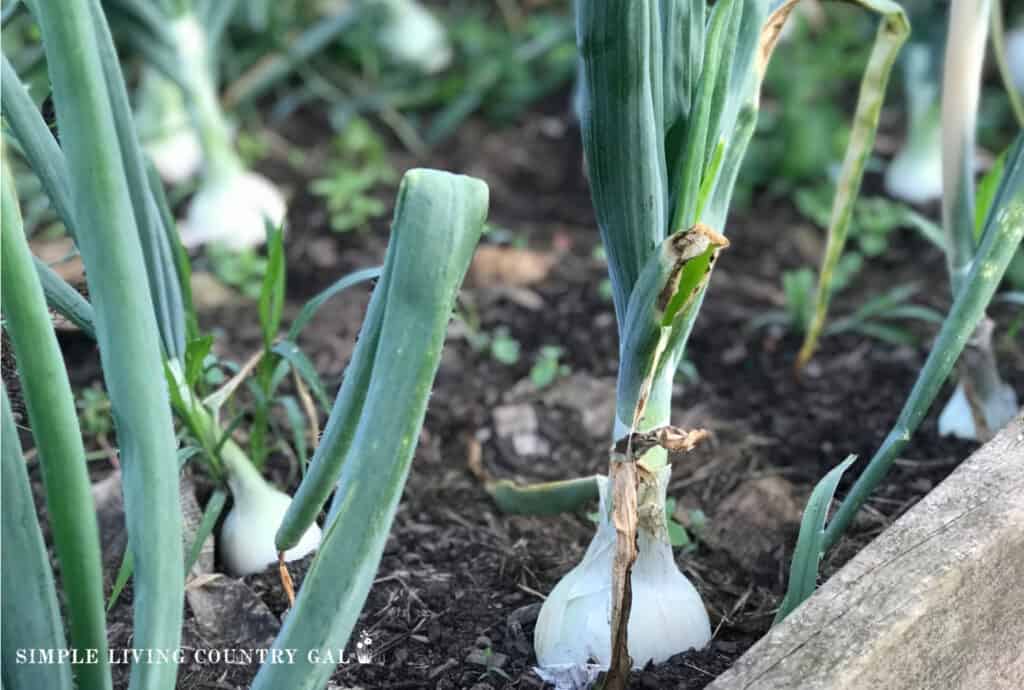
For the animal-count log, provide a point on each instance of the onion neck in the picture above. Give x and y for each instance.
(215, 136)
(161, 111)
(657, 413)
(651, 497)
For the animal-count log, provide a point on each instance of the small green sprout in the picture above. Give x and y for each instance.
(503, 347)
(358, 169)
(547, 367)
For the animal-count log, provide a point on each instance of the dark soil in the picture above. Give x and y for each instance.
(459, 577)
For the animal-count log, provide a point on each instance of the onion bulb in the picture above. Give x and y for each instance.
(1015, 56)
(413, 36)
(233, 205)
(573, 634)
(233, 211)
(246, 541)
(956, 418)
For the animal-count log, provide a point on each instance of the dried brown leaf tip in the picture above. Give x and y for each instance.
(696, 240)
(686, 246)
(770, 34)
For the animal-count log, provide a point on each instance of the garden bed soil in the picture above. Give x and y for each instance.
(460, 584)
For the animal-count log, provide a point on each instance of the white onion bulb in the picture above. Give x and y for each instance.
(573, 637)
(957, 420)
(247, 536)
(915, 174)
(413, 36)
(233, 211)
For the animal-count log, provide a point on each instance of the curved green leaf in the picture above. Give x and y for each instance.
(439, 218)
(810, 544)
(310, 308)
(64, 299)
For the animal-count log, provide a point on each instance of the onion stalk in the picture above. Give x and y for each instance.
(667, 99)
(982, 404)
(165, 127)
(668, 96)
(915, 173)
(233, 205)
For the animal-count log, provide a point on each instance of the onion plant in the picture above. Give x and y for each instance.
(982, 403)
(977, 258)
(152, 354)
(668, 99)
(180, 106)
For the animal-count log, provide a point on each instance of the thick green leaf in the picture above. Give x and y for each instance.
(29, 614)
(682, 24)
(180, 256)
(622, 124)
(129, 340)
(438, 221)
(323, 471)
(161, 272)
(51, 410)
